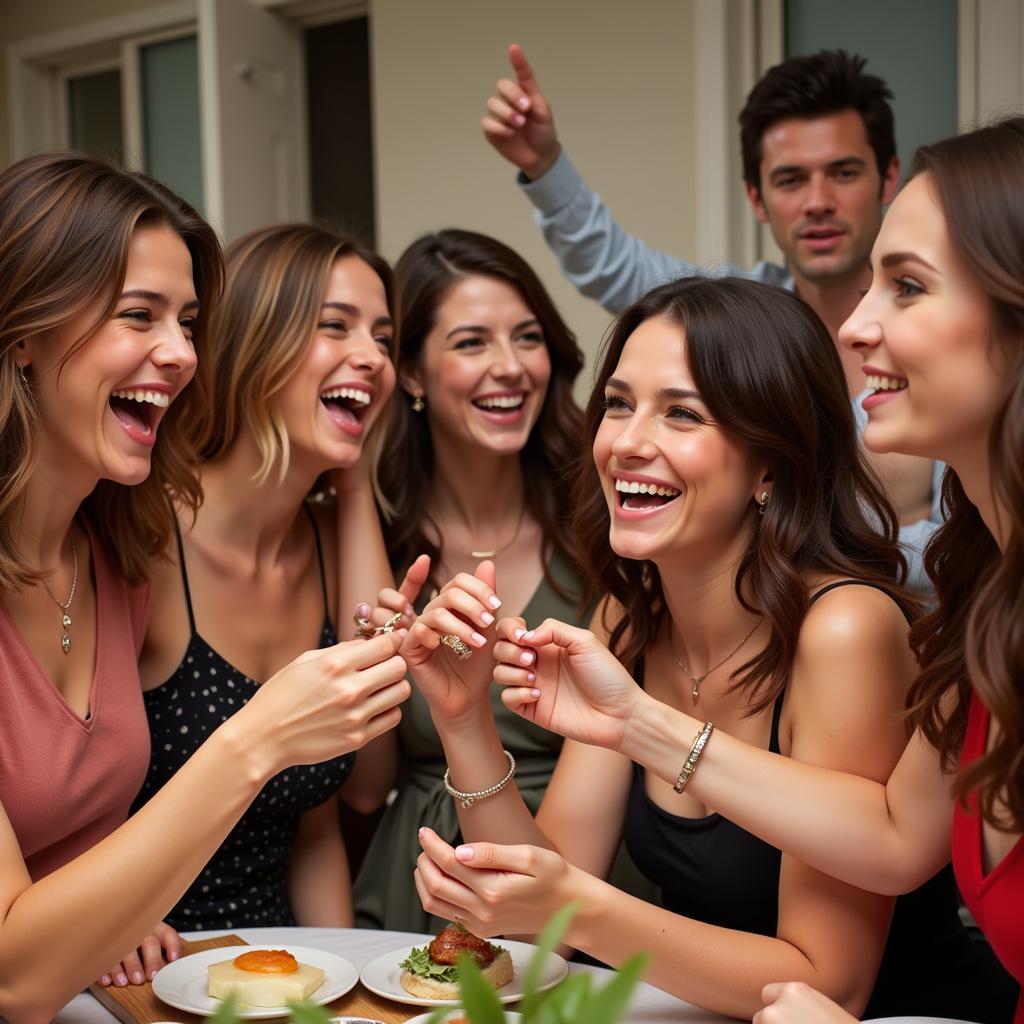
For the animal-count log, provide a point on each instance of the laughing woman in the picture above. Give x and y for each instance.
(106, 279)
(477, 459)
(729, 514)
(296, 370)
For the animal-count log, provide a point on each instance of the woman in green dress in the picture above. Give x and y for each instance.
(476, 463)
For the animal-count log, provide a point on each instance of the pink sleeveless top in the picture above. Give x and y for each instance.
(66, 783)
(997, 899)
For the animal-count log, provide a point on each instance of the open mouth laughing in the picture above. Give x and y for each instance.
(502, 406)
(347, 405)
(139, 409)
(645, 495)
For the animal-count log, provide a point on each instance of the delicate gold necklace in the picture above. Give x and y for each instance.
(697, 680)
(504, 547)
(65, 606)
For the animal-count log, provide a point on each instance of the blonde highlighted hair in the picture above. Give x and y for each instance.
(66, 222)
(276, 280)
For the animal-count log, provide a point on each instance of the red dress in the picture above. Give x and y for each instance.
(997, 899)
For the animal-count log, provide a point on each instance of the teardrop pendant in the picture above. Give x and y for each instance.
(66, 621)
(65, 643)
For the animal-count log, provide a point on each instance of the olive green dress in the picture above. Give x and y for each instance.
(385, 895)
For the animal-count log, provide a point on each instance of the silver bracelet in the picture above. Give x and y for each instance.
(690, 764)
(468, 799)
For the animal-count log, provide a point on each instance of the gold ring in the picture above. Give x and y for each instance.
(389, 626)
(458, 647)
(364, 627)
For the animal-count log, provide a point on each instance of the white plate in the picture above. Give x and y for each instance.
(511, 1017)
(183, 983)
(381, 975)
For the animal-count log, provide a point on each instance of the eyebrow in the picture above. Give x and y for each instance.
(893, 258)
(661, 393)
(157, 298)
(345, 307)
(832, 165)
(480, 329)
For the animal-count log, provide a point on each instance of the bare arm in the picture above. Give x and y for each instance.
(318, 707)
(319, 882)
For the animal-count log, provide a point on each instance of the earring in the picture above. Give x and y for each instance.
(762, 502)
(418, 405)
(21, 372)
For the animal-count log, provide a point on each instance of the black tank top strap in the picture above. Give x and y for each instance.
(319, 560)
(184, 576)
(862, 583)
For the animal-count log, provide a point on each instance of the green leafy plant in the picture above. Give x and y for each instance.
(575, 1000)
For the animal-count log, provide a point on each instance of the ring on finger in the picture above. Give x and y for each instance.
(457, 646)
(364, 627)
(389, 626)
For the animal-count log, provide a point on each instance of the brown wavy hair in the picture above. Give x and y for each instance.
(426, 272)
(276, 279)
(66, 221)
(769, 372)
(974, 638)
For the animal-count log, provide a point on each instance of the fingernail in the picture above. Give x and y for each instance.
(105, 980)
(518, 634)
(363, 611)
(523, 103)
(528, 636)
(122, 979)
(420, 832)
(530, 677)
(464, 853)
(138, 977)
(526, 658)
(151, 974)
(535, 693)
(487, 618)
(409, 611)
(173, 955)
(479, 640)
(519, 120)
(494, 601)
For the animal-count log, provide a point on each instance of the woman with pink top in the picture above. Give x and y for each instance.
(106, 279)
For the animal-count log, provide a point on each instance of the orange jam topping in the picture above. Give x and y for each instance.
(267, 961)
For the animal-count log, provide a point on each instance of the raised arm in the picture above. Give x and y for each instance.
(324, 704)
(599, 258)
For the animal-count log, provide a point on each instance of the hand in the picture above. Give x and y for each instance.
(326, 703)
(495, 890)
(464, 607)
(565, 680)
(391, 602)
(139, 966)
(794, 1002)
(519, 123)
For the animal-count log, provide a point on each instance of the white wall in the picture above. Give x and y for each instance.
(619, 77)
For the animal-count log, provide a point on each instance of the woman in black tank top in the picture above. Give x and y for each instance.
(297, 368)
(754, 580)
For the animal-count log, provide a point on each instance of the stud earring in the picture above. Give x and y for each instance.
(418, 405)
(762, 502)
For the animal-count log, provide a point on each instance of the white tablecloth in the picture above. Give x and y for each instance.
(649, 1005)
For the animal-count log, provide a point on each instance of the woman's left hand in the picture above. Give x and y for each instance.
(492, 889)
(154, 952)
(794, 1002)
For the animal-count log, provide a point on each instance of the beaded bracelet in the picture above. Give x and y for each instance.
(468, 799)
(690, 764)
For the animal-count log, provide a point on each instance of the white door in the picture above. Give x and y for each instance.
(253, 117)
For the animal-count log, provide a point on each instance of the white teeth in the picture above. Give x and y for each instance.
(501, 402)
(157, 398)
(879, 382)
(356, 394)
(635, 487)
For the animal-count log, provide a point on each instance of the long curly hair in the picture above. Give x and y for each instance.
(768, 371)
(974, 638)
(66, 222)
(426, 272)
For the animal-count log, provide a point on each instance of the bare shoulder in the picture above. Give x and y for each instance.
(847, 618)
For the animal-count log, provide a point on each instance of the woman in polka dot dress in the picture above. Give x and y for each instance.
(296, 372)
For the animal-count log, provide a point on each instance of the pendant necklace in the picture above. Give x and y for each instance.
(506, 546)
(697, 680)
(65, 606)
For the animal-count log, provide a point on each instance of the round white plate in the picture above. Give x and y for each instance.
(183, 983)
(381, 975)
(511, 1017)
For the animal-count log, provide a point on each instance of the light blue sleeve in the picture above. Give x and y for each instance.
(599, 258)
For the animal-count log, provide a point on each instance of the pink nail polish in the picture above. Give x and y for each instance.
(518, 634)
(479, 640)
(524, 103)
(494, 602)
(530, 677)
(487, 618)
(464, 853)
(535, 693)
(528, 636)
(105, 980)
(525, 658)
(138, 977)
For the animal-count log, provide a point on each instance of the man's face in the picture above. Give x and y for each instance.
(821, 194)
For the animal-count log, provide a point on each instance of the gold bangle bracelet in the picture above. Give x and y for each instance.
(690, 764)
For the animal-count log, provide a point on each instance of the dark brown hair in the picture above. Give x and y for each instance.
(426, 272)
(975, 636)
(770, 375)
(823, 83)
(66, 222)
(276, 279)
